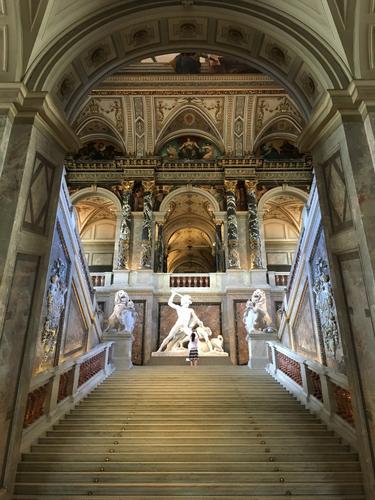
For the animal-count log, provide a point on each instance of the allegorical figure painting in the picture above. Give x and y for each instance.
(190, 148)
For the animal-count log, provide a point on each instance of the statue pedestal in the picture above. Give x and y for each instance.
(122, 349)
(258, 354)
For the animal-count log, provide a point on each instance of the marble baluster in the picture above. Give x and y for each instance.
(146, 243)
(220, 254)
(233, 243)
(255, 243)
(123, 258)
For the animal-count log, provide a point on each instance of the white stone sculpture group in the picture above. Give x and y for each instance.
(256, 318)
(187, 320)
(124, 315)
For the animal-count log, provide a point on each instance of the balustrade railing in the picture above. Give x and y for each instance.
(189, 281)
(101, 279)
(278, 278)
(321, 389)
(66, 384)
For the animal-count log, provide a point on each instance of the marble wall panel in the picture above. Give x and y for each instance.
(209, 313)
(360, 326)
(139, 332)
(39, 197)
(338, 197)
(242, 348)
(305, 341)
(76, 330)
(18, 311)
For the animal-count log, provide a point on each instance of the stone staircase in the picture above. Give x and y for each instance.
(178, 432)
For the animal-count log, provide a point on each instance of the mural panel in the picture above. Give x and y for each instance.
(241, 342)
(189, 148)
(278, 149)
(76, 330)
(209, 313)
(138, 333)
(303, 330)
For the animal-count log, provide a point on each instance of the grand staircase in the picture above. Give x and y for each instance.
(179, 432)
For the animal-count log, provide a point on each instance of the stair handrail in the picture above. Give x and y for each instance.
(321, 389)
(52, 395)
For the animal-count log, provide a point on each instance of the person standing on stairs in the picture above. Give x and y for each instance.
(193, 349)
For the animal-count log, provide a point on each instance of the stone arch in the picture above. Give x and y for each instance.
(137, 26)
(264, 134)
(277, 191)
(164, 134)
(112, 135)
(188, 189)
(95, 191)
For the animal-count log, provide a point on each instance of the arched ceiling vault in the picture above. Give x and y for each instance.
(80, 42)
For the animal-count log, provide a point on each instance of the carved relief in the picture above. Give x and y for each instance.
(67, 85)
(98, 55)
(233, 34)
(55, 307)
(187, 29)
(141, 35)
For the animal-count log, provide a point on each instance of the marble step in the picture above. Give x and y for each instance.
(194, 456)
(124, 496)
(201, 440)
(304, 467)
(220, 431)
(145, 446)
(137, 477)
(217, 488)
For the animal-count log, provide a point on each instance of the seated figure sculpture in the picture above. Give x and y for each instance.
(124, 315)
(186, 320)
(256, 317)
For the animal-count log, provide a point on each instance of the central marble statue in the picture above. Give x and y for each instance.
(187, 320)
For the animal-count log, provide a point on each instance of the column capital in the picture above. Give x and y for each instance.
(38, 108)
(148, 186)
(251, 185)
(230, 186)
(352, 104)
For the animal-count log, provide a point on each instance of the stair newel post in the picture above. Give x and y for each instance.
(327, 394)
(53, 394)
(107, 364)
(77, 369)
(274, 357)
(306, 384)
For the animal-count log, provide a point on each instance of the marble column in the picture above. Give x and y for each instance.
(31, 165)
(146, 243)
(233, 243)
(255, 243)
(123, 256)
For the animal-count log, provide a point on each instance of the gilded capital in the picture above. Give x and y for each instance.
(251, 186)
(230, 186)
(127, 185)
(148, 186)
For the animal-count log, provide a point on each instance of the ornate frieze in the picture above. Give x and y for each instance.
(233, 243)
(253, 226)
